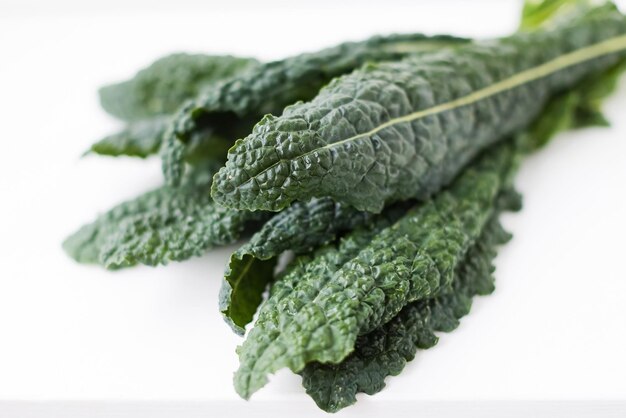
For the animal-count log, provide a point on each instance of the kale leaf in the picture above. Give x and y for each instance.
(401, 130)
(300, 228)
(165, 224)
(303, 227)
(317, 315)
(386, 350)
(235, 105)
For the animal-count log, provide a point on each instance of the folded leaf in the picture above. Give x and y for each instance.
(162, 87)
(300, 228)
(318, 315)
(303, 227)
(401, 130)
(268, 88)
(325, 260)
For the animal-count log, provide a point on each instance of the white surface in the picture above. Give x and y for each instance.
(553, 330)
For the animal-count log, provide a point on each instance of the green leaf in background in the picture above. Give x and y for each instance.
(147, 100)
(580, 107)
(162, 87)
(300, 228)
(543, 13)
(141, 139)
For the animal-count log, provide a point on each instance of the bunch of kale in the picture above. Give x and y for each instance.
(385, 173)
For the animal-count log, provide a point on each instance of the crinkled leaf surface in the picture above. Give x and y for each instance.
(386, 350)
(305, 226)
(247, 277)
(318, 315)
(166, 224)
(300, 228)
(268, 88)
(400, 130)
(163, 86)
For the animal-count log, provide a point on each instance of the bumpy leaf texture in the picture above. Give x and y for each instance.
(300, 228)
(386, 350)
(166, 224)
(318, 315)
(400, 130)
(109, 240)
(303, 227)
(163, 86)
(241, 101)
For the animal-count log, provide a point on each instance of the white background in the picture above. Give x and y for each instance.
(553, 330)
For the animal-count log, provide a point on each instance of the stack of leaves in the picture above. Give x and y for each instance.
(383, 165)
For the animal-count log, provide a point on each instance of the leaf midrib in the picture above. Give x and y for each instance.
(606, 47)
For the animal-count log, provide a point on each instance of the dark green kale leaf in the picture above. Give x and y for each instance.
(110, 240)
(241, 101)
(305, 226)
(165, 224)
(400, 130)
(317, 315)
(300, 228)
(162, 87)
(386, 350)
